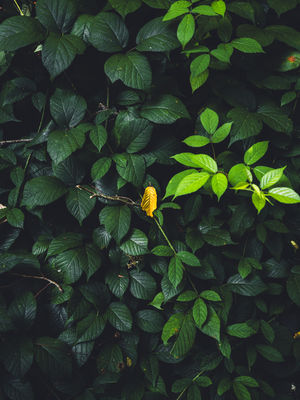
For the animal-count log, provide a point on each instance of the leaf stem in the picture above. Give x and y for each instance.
(19, 8)
(39, 277)
(184, 390)
(165, 236)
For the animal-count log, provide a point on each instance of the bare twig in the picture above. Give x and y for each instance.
(2, 142)
(41, 290)
(122, 199)
(39, 277)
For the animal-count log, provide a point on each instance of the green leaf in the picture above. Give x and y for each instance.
(245, 124)
(181, 385)
(174, 182)
(119, 316)
(271, 177)
(247, 381)
(191, 183)
(240, 330)
(282, 7)
(199, 312)
(100, 168)
(210, 120)
(199, 64)
(241, 391)
(219, 7)
(136, 245)
(246, 287)
(223, 386)
(188, 258)
(175, 271)
(221, 133)
(217, 237)
(20, 31)
(42, 190)
(204, 10)
(142, 285)
(108, 33)
(82, 26)
(61, 144)
(269, 353)
(193, 393)
(247, 45)
(98, 136)
(117, 282)
(212, 325)
(219, 184)
(293, 288)
(188, 295)
(259, 200)
(56, 15)
(196, 141)
(186, 337)
(90, 327)
(223, 52)
(197, 161)
(132, 133)
(239, 173)
(124, 8)
(65, 241)
(161, 250)
(178, 8)
(59, 52)
(255, 152)
(150, 321)
(157, 301)
(275, 118)
(133, 170)
(71, 264)
(17, 389)
(116, 220)
(186, 29)
(67, 108)
(79, 203)
(287, 98)
(172, 327)
(203, 381)
(156, 35)
(197, 81)
(284, 195)
(17, 355)
(267, 331)
(53, 357)
(22, 311)
(164, 110)
(210, 295)
(15, 217)
(246, 264)
(133, 69)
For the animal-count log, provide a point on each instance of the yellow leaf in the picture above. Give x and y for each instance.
(149, 201)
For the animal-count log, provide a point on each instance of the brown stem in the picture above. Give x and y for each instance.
(14, 141)
(122, 199)
(41, 290)
(39, 277)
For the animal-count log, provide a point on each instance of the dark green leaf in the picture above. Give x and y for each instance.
(119, 316)
(42, 190)
(116, 220)
(56, 15)
(164, 110)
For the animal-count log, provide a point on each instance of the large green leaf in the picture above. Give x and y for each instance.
(70, 264)
(246, 287)
(116, 220)
(245, 124)
(240, 330)
(119, 316)
(175, 181)
(156, 35)
(108, 33)
(142, 285)
(132, 68)
(18, 389)
(17, 355)
(22, 311)
(175, 271)
(275, 118)
(60, 51)
(67, 108)
(212, 325)
(117, 282)
(199, 312)
(65, 241)
(42, 190)
(57, 15)
(186, 337)
(132, 133)
(79, 203)
(90, 327)
(191, 183)
(136, 245)
(270, 353)
(164, 110)
(186, 29)
(255, 152)
(150, 321)
(125, 7)
(20, 31)
(209, 119)
(132, 169)
(247, 45)
(284, 195)
(61, 144)
(197, 161)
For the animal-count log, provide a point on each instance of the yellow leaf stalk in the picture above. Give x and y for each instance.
(149, 201)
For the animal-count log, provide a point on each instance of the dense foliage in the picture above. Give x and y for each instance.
(100, 298)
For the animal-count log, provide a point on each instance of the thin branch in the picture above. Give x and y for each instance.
(122, 199)
(39, 277)
(18, 7)
(2, 142)
(41, 290)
